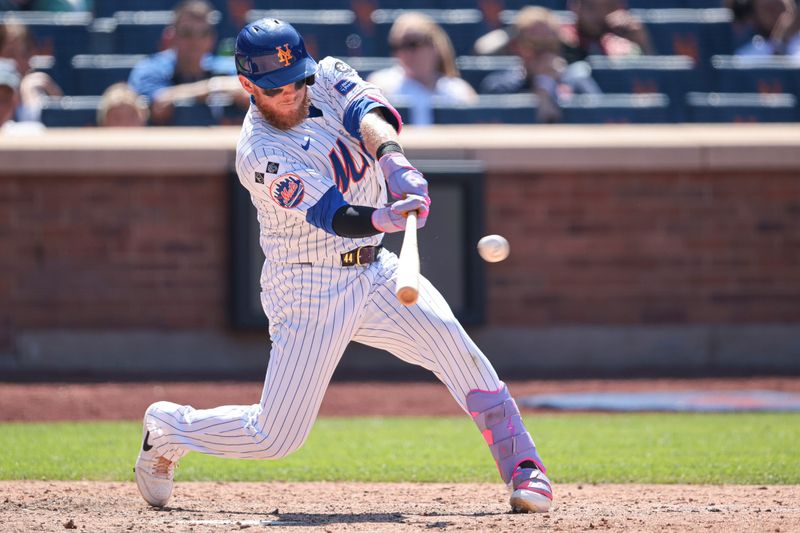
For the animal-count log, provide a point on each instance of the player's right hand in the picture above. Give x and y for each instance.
(392, 218)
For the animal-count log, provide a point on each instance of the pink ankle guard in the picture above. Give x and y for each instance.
(497, 416)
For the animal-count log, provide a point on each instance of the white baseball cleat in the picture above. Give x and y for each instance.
(532, 492)
(154, 473)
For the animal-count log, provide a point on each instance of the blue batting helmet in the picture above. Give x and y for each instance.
(271, 53)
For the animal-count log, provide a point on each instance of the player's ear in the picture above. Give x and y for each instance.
(247, 85)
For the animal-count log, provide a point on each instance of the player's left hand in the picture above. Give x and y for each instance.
(403, 179)
(392, 218)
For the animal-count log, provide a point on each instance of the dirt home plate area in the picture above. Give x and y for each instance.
(327, 506)
(98, 506)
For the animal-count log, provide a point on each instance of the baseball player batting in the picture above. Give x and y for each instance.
(320, 155)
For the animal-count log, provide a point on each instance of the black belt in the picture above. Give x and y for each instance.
(361, 256)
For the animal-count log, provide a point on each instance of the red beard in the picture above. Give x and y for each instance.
(287, 122)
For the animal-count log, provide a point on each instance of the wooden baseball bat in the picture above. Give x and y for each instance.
(407, 288)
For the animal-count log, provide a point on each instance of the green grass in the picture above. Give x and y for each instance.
(645, 448)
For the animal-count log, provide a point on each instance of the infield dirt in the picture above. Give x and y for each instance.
(307, 507)
(324, 506)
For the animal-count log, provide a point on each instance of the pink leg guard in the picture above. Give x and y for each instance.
(497, 417)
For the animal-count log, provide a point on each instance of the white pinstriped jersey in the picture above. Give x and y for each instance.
(287, 172)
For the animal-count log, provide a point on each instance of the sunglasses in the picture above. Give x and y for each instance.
(188, 33)
(299, 84)
(411, 44)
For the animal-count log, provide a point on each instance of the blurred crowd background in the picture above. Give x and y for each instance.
(76, 63)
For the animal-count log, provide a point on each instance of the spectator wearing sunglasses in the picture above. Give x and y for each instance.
(186, 71)
(542, 70)
(425, 72)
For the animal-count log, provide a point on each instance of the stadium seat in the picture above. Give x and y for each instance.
(194, 114)
(674, 4)
(367, 65)
(491, 109)
(773, 74)
(741, 107)
(697, 33)
(218, 109)
(70, 111)
(650, 4)
(519, 4)
(475, 68)
(107, 8)
(671, 75)
(61, 35)
(617, 109)
(139, 32)
(92, 74)
(327, 32)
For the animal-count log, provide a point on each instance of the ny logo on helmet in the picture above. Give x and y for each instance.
(284, 54)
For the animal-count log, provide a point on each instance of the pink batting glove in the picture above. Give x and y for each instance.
(401, 176)
(392, 218)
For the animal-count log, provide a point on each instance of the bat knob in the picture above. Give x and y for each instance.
(407, 296)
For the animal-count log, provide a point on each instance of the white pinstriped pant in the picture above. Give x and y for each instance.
(314, 312)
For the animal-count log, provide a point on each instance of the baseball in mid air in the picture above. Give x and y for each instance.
(493, 248)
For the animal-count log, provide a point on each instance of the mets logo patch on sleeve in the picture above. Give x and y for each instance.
(345, 86)
(287, 191)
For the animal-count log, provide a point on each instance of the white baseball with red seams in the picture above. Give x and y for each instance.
(493, 248)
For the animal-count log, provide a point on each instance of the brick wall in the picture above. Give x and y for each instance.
(151, 252)
(112, 252)
(644, 249)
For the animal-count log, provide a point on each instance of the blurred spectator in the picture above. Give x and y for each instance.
(775, 25)
(426, 69)
(534, 38)
(9, 91)
(9, 100)
(121, 107)
(603, 27)
(187, 70)
(17, 44)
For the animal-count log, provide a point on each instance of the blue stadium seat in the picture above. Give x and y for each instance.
(491, 109)
(92, 74)
(139, 32)
(671, 75)
(309, 4)
(655, 4)
(674, 4)
(107, 8)
(773, 74)
(61, 35)
(194, 114)
(367, 65)
(742, 107)
(217, 110)
(697, 33)
(475, 68)
(617, 109)
(519, 4)
(70, 111)
(329, 32)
